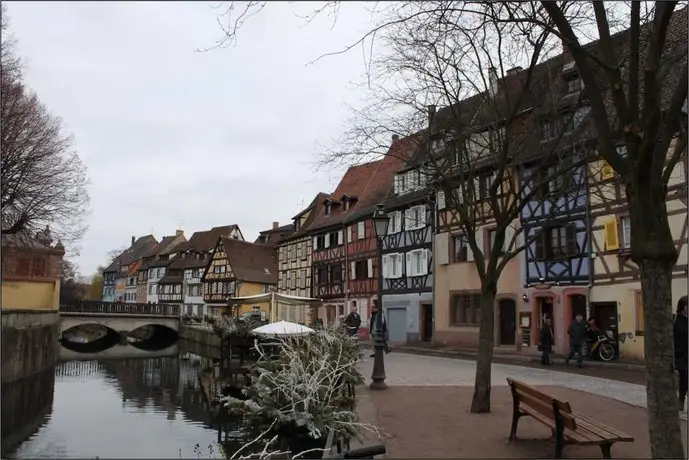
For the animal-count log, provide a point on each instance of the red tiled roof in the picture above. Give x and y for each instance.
(250, 261)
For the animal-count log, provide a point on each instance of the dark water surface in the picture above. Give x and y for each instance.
(115, 408)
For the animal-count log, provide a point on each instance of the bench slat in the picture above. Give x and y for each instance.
(534, 394)
(606, 431)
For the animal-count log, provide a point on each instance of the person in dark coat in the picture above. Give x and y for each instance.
(682, 349)
(353, 322)
(372, 330)
(546, 342)
(577, 335)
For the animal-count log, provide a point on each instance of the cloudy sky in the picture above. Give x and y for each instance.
(175, 138)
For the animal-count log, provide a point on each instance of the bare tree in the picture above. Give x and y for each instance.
(43, 178)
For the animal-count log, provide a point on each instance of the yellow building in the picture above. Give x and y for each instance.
(616, 300)
(294, 263)
(31, 276)
(239, 269)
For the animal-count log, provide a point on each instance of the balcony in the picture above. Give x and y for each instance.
(216, 298)
(162, 298)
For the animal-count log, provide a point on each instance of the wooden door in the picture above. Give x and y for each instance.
(508, 321)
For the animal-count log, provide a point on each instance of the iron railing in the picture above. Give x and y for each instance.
(120, 308)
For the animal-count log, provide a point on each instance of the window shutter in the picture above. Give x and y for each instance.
(353, 270)
(349, 234)
(424, 261)
(612, 240)
(369, 268)
(606, 171)
(386, 263)
(410, 268)
(440, 199)
(340, 239)
(398, 270)
(422, 215)
(540, 244)
(327, 240)
(408, 219)
(315, 242)
(361, 230)
(442, 248)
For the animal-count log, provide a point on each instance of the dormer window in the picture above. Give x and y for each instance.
(399, 184)
(346, 204)
(328, 208)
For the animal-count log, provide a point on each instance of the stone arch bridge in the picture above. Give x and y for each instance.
(120, 317)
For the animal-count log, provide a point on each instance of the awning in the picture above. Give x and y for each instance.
(282, 299)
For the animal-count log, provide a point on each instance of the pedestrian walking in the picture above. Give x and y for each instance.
(373, 331)
(546, 342)
(681, 330)
(577, 335)
(353, 322)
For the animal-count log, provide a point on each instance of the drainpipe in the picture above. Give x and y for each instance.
(589, 249)
(431, 204)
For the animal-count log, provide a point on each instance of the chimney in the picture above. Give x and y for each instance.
(179, 232)
(276, 225)
(133, 240)
(492, 81)
(431, 114)
(395, 138)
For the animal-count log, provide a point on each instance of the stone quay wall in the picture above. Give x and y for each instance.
(30, 342)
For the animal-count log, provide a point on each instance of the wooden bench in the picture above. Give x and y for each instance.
(567, 426)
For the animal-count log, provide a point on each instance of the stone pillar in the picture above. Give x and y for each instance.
(123, 337)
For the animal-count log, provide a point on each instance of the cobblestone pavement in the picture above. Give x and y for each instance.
(414, 370)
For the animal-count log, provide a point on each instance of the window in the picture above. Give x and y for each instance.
(336, 273)
(319, 242)
(415, 217)
(639, 310)
(626, 232)
(322, 275)
(327, 208)
(460, 248)
(557, 242)
(334, 238)
(465, 309)
(349, 234)
(395, 222)
(361, 230)
(302, 279)
(417, 262)
(491, 238)
(345, 204)
(360, 270)
(187, 274)
(392, 265)
(400, 184)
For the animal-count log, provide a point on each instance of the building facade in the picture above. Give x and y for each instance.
(616, 300)
(408, 260)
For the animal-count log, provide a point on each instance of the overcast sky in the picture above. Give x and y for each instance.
(175, 138)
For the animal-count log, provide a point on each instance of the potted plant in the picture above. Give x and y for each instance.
(299, 395)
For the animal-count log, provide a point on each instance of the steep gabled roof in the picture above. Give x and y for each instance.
(274, 236)
(370, 183)
(136, 251)
(204, 241)
(251, 262)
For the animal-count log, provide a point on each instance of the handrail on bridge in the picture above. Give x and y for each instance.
(120, 308)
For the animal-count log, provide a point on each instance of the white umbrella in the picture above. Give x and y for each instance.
(282, 328)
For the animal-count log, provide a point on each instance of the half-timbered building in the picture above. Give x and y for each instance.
(557, 264)
(114, 289)
(616, 300)
(294, 262)
(194, 255)
(238, 268)
(343, 238)
(142, 285)
(407, 257)
(275, 235)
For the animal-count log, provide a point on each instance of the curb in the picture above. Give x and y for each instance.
(512, 358)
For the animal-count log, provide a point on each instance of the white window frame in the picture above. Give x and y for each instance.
(394, 222)
(392, 265)
(625, 232)
(415, 217)
(361, 230)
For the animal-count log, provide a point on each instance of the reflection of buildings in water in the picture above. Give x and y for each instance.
(80, 371)
(26, 406)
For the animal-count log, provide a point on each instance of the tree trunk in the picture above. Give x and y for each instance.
(654, 251)
(481, 400)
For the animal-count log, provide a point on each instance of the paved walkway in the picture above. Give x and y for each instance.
(415, 370)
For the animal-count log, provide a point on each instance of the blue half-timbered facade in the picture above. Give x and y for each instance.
(408, 260)
(557, 263)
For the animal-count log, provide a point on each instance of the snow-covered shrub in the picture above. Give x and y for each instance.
(302, 390)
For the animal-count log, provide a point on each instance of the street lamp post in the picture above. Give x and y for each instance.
(380, 225)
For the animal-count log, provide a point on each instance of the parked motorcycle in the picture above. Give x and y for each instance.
(603, 347)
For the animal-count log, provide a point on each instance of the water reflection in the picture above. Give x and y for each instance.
(150, 407)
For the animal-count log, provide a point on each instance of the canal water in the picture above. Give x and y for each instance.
(114, 408)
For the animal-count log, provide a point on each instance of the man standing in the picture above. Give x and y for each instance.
(577, 335)
(353, 322)
(546, 342)
(372, 330)
(682, 349)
